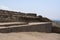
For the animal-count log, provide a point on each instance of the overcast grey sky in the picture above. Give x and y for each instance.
(46, 8)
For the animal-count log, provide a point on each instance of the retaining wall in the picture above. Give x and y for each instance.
(39, 27)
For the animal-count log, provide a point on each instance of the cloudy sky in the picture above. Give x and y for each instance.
(46, 8)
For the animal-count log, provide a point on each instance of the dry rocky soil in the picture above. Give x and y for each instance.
(29, 36)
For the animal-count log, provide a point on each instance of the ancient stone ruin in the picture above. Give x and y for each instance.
(11, 21)
(11, 16)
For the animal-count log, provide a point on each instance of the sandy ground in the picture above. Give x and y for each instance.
(29, 36)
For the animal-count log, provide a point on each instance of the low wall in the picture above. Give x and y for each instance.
(42, 27)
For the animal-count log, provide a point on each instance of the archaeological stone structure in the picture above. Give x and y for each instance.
(12, 21)
(12, 16)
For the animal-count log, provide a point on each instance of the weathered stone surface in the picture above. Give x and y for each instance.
(11, 16)
(31, 27)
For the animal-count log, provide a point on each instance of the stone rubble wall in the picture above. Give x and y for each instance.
(12, 16)
(46, 27)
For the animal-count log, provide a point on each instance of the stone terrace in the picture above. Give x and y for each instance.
(12, 16)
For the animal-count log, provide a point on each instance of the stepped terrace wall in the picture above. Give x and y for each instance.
(30, 27)
(12, 16)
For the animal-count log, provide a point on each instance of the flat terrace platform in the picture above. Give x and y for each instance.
(20, 24)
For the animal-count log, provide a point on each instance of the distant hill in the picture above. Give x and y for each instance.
(57, 21)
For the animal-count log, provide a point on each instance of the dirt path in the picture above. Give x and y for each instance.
(29, 36)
